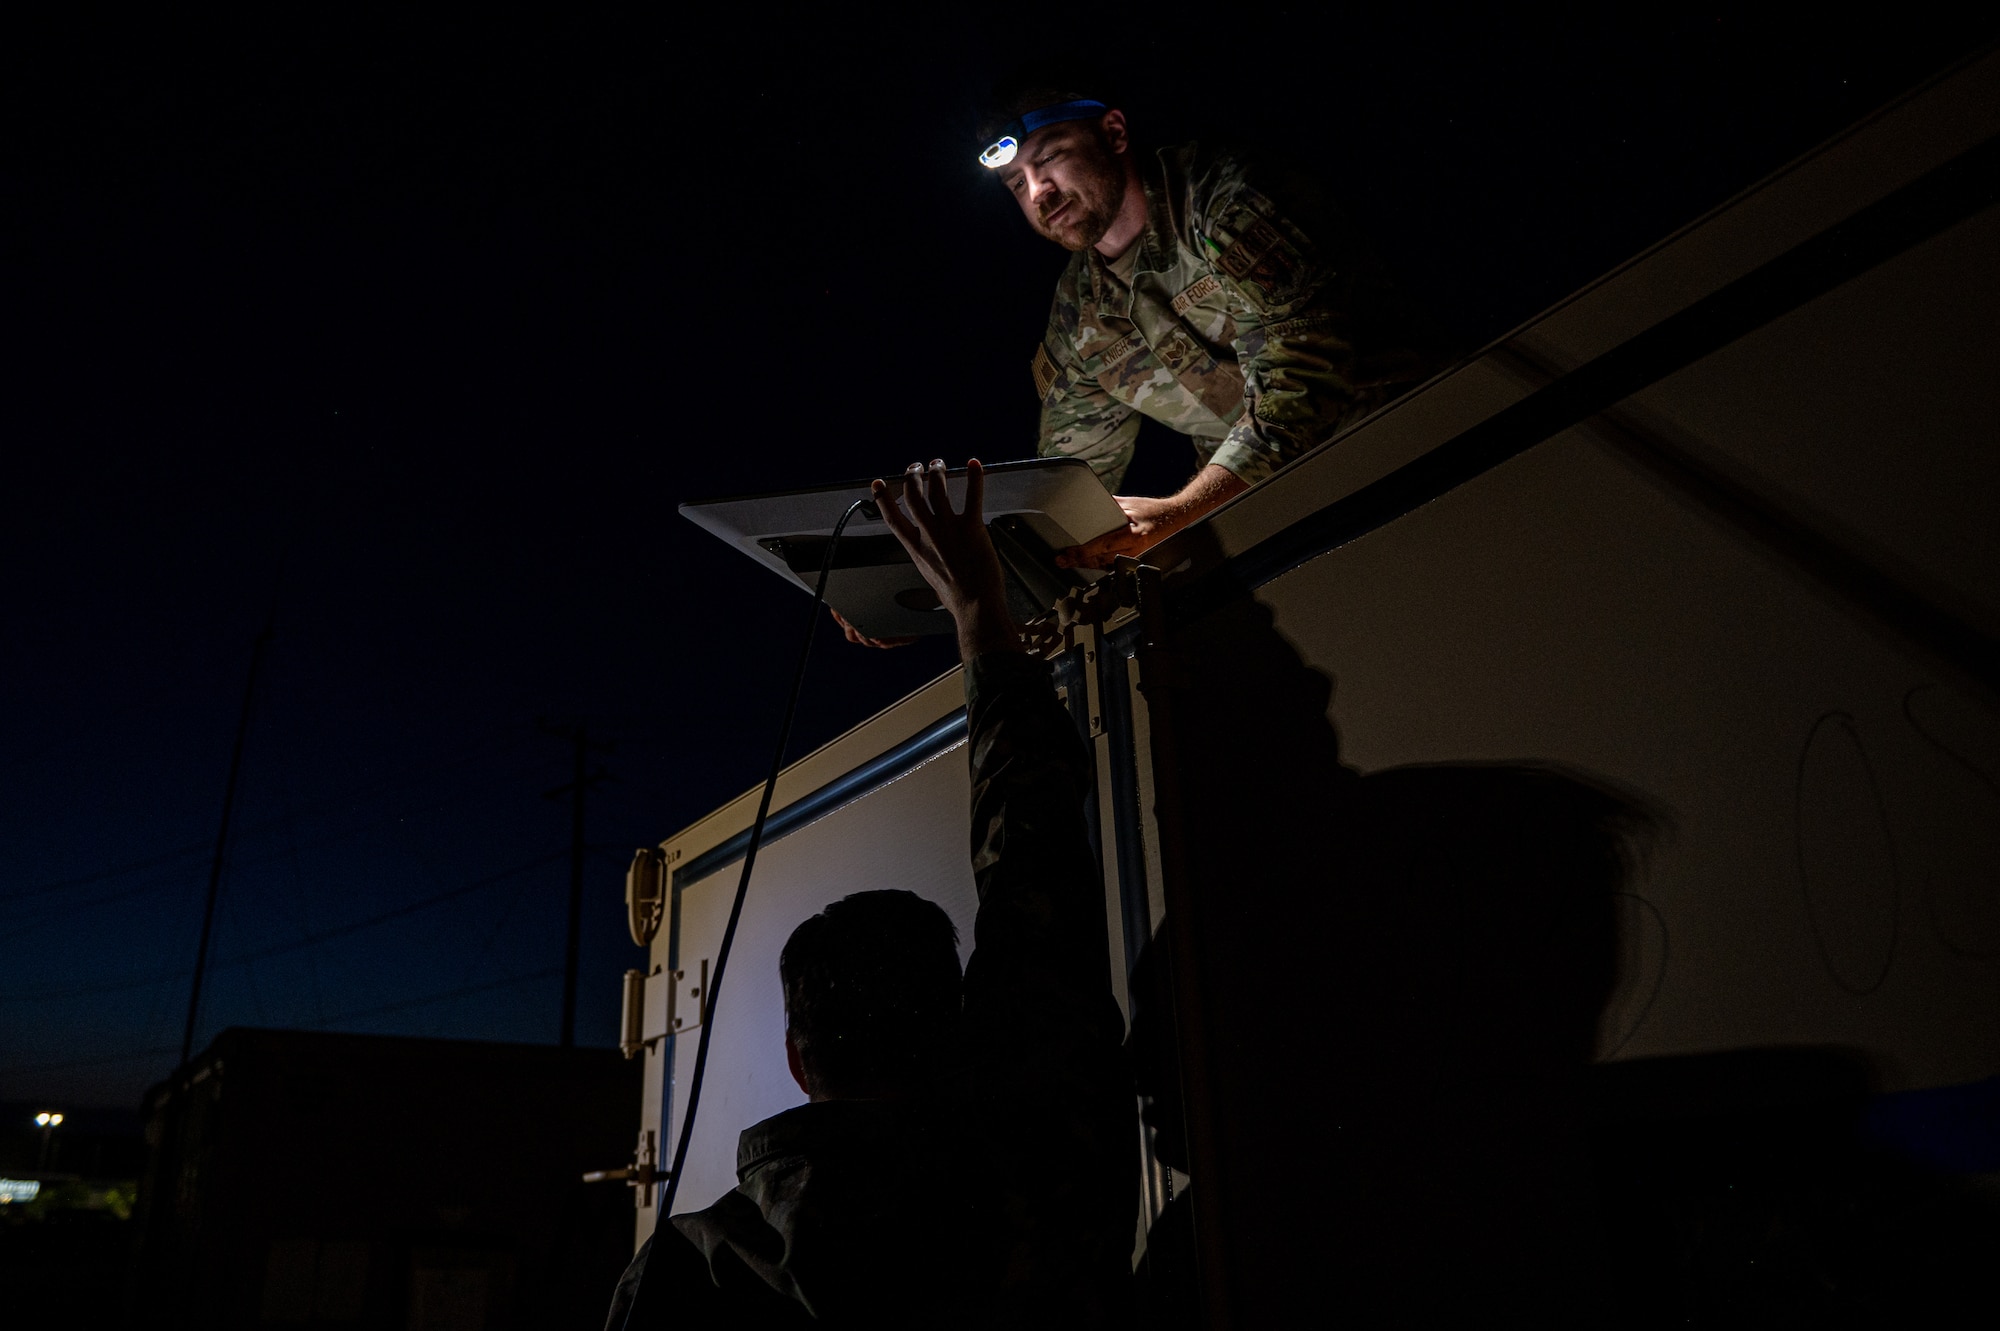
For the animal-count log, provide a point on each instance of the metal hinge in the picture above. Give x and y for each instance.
(660, 1003)
(687, 998)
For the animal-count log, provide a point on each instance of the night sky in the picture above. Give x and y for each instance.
(412, 336)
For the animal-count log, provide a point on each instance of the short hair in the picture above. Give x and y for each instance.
(872, 992)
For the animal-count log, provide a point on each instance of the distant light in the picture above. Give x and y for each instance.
(45, 1119)
(18, 1190)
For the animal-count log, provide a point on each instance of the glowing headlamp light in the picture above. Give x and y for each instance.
(1002, 150)
(999, 153)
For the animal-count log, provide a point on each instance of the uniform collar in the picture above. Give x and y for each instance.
(1154, 256)
(812, 1129)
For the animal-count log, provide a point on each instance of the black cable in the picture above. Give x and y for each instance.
(743, 882)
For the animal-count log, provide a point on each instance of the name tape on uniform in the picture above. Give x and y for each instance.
(1122, 350)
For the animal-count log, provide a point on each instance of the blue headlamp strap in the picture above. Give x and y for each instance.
(1001, 151)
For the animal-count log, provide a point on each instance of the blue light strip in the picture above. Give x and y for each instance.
(1050, 115)
(912, 753)
(1001, 151)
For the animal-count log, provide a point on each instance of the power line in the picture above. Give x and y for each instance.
(451, 894)
(115, 871)
(501, 919)
(95, 1060)
(465, 991)
(314, 808)
(289, 850)
(274, 949)
(579, 786)
(37, 918)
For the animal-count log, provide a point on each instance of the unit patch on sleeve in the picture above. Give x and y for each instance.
(1246, 249)
(1264, 265)
(1206, 286)
(1045, 373)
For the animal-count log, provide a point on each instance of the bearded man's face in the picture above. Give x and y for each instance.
(1068, 183)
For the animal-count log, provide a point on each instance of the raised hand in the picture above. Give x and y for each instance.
(953, 552)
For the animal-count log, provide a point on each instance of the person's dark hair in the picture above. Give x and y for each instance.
(871, 992)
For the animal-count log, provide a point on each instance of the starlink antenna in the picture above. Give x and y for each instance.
(1034, 510)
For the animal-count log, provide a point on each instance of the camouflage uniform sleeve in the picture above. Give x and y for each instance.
(1297, 300)
(1079, 418)
(1086, 422)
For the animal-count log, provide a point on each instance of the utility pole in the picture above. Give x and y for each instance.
(222, 842)
(579, 786)
(173, 1145)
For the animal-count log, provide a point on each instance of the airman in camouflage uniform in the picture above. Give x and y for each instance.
(1224, 299)
(1256, 328)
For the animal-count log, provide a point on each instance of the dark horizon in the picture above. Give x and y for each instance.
(412, 340)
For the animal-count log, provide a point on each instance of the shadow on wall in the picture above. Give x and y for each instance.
(1403, 976)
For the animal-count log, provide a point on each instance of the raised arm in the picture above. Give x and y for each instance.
(1040, 942)
(1041, 1031)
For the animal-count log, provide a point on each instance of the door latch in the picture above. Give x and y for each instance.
(642, 1173)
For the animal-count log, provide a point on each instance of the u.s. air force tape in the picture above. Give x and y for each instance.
(1205, 286)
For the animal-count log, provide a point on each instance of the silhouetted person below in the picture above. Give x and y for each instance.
(965, 1158)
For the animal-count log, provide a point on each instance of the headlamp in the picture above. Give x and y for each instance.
(1002, 150)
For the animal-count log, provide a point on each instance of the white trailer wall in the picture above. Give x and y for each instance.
(1756, 588)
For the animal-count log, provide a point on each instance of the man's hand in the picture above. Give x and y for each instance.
(860, 639)
(1150, 521)
(1146, 523)
(954, 553)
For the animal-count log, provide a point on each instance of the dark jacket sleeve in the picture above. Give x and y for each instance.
(1041, 1023)
(681, 1291)
(1040, 949)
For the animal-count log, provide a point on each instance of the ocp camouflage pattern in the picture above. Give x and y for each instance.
(1256, 328)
